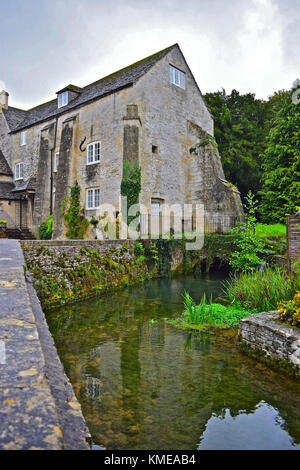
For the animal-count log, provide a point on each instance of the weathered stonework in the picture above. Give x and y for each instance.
(66, 271)
(38, 410)
(262, 336)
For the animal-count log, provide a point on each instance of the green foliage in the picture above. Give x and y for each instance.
(138, 249)
(281, 164)
(289, 311)
(208, 313)
(131, 183)
(240, 123)
(46, 229)
(74, 217)
(261, 290)
(249, 246)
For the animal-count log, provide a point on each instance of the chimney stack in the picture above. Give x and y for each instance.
(4, 99)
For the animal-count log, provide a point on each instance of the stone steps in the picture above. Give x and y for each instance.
(17, 234)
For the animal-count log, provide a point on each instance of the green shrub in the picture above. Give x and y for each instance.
(74, 217)
(249, 247)
(290, 311)
(46, 229)
(138, 249)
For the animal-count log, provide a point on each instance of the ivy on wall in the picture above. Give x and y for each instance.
(131, 183)
(74, 217)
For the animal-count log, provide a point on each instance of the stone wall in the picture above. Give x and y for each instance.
(67, 271)
(262, 336)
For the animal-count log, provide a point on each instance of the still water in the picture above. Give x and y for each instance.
(143, 384)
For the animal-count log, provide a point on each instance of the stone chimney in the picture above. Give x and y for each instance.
(4, 99)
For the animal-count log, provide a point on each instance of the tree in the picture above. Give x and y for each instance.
(240, 131)
(281, 163)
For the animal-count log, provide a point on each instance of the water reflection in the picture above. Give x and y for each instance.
(240, 432)
(144, 385)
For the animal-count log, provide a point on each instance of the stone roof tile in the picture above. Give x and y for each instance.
(4, 166)
(107, 85)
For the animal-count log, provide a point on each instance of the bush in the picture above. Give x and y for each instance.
(250, 247)
(262, 290)
(46, 229)
(290, 311)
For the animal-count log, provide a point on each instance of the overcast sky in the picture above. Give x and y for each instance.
(250, 45)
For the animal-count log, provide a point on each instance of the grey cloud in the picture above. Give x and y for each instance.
(46, 44)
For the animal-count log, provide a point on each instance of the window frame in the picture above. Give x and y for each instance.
(19, 165)
(56, 162)
(93, 191)
(62, 99)
(181, 77)
(23, 138)
(92, 145)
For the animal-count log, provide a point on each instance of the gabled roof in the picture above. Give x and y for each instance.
(116, 81)
(4, 166)
(14, 116)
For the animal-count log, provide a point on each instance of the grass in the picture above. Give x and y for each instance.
(209, 314)
(270, 231)
(262, 290)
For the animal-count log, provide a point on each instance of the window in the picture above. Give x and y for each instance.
(56, 157)
(93, 153)
(19, 171)
(62, 99)
(155, 208)
(154, 149)
(93, 198)
(177, 77)
(23, 138)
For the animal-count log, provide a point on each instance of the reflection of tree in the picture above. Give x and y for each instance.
(147, 384)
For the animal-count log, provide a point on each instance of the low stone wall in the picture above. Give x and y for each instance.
(38, 410)
(278, 345)
(66, 271)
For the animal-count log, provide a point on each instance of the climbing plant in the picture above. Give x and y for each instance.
(131, 184)
(46, 228)
(74, 217)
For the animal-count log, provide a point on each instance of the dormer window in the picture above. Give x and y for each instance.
(62, 99)
(177, 77)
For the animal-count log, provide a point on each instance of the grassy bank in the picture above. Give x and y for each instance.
(244, 294)
(270, 231)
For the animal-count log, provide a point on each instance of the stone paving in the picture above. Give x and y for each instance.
(38, 409)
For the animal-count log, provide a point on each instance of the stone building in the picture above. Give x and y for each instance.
(151, 112)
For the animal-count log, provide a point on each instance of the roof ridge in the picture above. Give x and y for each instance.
(118, 80)
(131, 66)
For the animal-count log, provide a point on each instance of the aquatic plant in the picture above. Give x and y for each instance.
(208, 313)
(262, 289)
